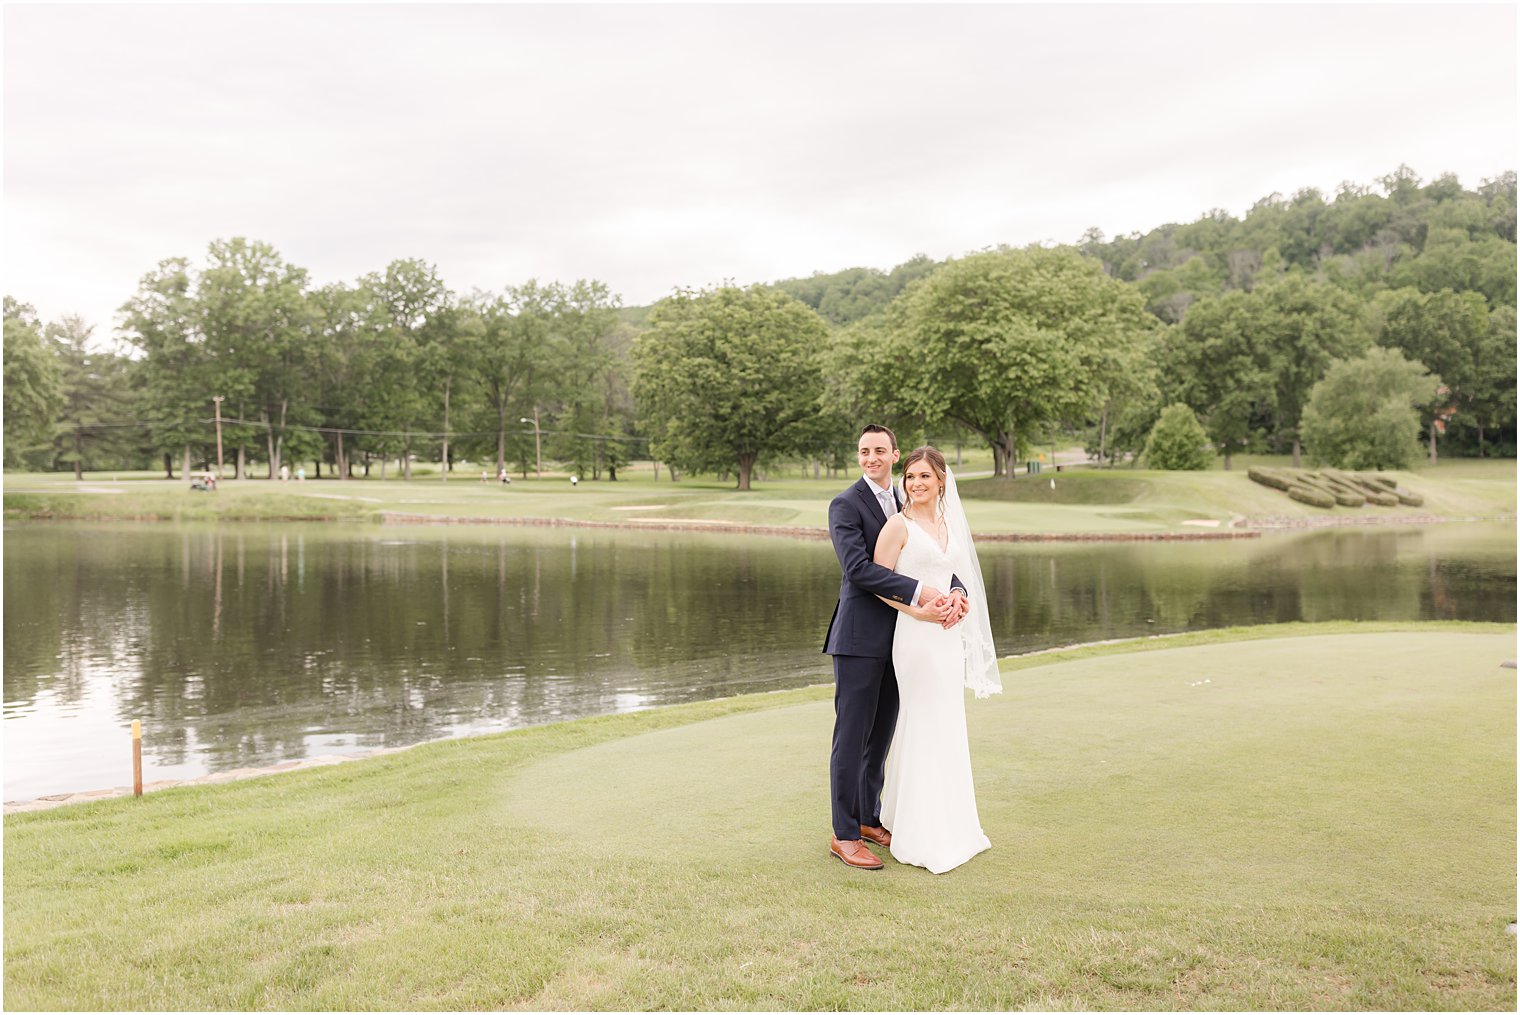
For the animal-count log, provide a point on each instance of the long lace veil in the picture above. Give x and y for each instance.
(981, 656)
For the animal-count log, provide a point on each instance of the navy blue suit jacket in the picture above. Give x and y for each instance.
(862, 624)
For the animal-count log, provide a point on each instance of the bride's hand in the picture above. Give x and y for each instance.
(935, 612)
(959, 607)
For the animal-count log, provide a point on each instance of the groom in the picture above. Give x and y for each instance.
(860, 640)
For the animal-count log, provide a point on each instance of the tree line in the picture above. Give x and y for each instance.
(1239, 320)
(391, 367)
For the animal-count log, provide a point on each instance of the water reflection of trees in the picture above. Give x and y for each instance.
(1049, 595)
(247, 644)
(251, 645)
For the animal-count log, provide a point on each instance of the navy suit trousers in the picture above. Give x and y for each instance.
(865, 714)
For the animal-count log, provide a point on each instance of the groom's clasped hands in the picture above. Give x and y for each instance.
(943, 608)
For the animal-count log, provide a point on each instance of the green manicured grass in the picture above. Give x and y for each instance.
(1074, 501)
(1231, 820)
(1099, 499)
(1466, 468)
(249, 503)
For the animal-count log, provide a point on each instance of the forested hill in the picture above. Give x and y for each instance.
(1432, 237)
(1393, 234)
(854, 293)
(841, 297)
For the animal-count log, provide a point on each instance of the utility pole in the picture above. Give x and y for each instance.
(218, 400)
(538, 449)
(443, 472)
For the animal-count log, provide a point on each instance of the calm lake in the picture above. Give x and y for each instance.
(248, 644)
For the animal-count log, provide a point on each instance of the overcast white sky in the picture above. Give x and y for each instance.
(656, 146)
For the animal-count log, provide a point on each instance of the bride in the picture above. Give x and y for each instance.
(928, 802)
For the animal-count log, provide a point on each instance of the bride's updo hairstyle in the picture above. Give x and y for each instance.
(929, 453)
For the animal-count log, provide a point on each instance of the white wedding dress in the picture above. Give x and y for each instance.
(928, 802)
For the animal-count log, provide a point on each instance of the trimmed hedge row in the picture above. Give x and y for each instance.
(1328, 488)
(1268, 477)
(1311, 495)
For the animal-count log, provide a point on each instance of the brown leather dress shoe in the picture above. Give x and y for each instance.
(880, 836)
(855, 854)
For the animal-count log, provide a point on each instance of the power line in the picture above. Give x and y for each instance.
(347, 431)
(122, 424)
(433, 434)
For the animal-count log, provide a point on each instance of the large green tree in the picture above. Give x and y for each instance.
(859, 387)
(726, 375)
(1006, 343)
(1363, 414)
(1489, 404)
(587, 372)
(1306, 326)
(1129, 392)
(1214, 362)
(347, 361)
(257, 326)
(1447, 332)
(95, 400)
(617, 421)
(171, 374)
(1131, 403)
(412, 317)
(32, 386)
(513, 343)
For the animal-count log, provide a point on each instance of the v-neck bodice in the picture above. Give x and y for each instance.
(922, 558)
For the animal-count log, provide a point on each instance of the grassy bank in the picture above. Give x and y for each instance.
(1325, 820)
(120, 502)
(1073, 501)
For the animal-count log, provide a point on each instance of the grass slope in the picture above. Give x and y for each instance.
(1320, 821)
(1080, 501)
(248, 503)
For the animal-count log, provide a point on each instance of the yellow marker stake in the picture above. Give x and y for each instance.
(137, 757)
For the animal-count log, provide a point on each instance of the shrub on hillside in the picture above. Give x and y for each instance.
(1177, 441)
